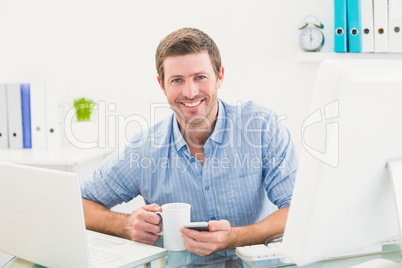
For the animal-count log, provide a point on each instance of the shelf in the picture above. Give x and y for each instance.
(54, 157)
(316, 57)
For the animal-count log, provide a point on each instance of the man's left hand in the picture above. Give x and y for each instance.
(205, 243)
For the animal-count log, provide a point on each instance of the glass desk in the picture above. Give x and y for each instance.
(230, 259)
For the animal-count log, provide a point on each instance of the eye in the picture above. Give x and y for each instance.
(199, 77)
(176, 80)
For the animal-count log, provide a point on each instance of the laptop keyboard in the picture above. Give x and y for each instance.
(99, 258)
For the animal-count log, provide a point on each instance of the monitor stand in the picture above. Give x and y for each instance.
(395, 174)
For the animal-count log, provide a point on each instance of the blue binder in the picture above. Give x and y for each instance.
(340, 23)
(354, 26)
(26, 115)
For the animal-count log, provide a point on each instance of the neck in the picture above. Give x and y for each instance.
(196, 135)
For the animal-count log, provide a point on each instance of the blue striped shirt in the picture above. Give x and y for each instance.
(250, 165)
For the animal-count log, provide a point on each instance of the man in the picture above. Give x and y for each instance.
(226, 161)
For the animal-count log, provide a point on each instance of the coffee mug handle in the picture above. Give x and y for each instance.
(160, 215)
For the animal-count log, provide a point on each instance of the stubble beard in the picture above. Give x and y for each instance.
(204, 121)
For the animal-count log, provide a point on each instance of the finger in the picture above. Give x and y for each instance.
(196, 247)
(153, 218)
(152, 207)
(222, 225)
(147, 238)
(147, 216)
(152, 228)
(140, 223)
(197, 235)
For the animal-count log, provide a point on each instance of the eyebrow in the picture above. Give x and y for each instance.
(181, 76)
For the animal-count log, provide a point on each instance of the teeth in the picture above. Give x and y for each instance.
(192, 104)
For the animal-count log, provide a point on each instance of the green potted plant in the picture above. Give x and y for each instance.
(83, 108)
(83, 132)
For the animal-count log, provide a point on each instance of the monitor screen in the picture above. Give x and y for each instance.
(343, 198)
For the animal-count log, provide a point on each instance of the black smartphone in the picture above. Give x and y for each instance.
(198, 226)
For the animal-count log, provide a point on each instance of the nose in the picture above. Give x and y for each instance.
(190, 90)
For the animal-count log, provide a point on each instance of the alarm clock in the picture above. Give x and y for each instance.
(311, 38)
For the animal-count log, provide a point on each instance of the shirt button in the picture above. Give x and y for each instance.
(213, 218)
(206, 188)
(192, 159)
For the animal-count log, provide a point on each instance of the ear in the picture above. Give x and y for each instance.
(160, 84)
(220, 77)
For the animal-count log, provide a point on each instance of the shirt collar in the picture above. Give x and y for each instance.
(217, 135)
(179, 141)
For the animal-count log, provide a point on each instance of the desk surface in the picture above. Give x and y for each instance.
(229, 259)
(65, 156)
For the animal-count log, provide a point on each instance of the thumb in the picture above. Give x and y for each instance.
(152, 207)
(222, 225)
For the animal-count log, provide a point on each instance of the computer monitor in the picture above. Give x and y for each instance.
(343, 198)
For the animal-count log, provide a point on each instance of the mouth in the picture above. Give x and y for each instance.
(192, 104)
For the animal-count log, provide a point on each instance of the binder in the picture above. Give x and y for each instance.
(367, 24)
(26, 116)
(395, 26)
(380, 25)
(38, 115)
(340, 26)
(354, 26)
(3, 117)
(54, 117)
(14, 116)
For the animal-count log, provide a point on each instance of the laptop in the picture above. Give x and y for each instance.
(42, 221)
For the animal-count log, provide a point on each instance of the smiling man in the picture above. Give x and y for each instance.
(191, 87)
(233, 164)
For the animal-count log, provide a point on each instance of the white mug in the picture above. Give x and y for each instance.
(174, 216)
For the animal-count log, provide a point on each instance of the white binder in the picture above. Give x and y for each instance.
(14, 116)
(395, 26)
(367, 21)
(54, 115)
(380, 26)
(3, 117)
(38, 115)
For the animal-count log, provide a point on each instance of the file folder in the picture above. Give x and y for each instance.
(354, 26)
(380, 26)
(26, 116)
(3, 117)
(395, 26)
(367, 24)
(38, 115)
(14, 116)
(340, 26)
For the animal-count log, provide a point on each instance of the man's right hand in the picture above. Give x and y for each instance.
(143, 224)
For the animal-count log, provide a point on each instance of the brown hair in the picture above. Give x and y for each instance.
(183, 42)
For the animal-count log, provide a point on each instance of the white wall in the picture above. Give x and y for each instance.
(104, 49)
